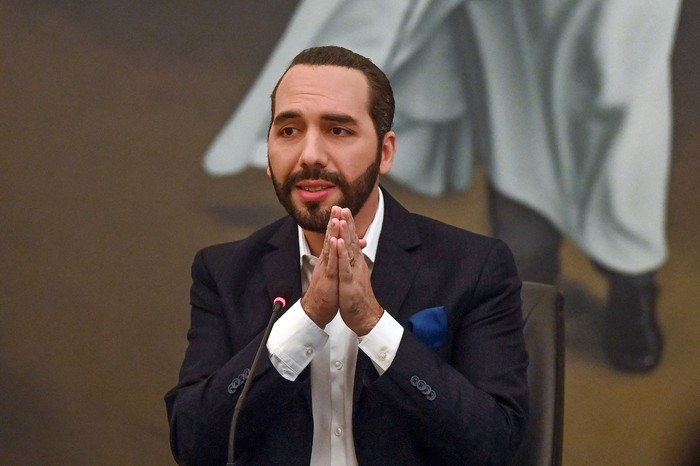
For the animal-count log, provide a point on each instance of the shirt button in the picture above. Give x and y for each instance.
(309, 351)
(338, 365)
(338, 432)
(382, 356)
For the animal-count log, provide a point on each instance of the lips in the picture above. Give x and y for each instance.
(314, 190)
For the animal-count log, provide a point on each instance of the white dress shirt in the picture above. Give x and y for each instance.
(295, 341)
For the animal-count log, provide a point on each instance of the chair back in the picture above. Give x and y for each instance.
(544, 338)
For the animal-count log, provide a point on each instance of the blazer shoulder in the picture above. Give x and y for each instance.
(409, 230)
(249, 248)
(435, 231)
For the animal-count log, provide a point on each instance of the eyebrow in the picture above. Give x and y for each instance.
(285, 116)
(339, 118)
(332, 117)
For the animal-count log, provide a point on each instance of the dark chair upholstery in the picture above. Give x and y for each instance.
(544, 338)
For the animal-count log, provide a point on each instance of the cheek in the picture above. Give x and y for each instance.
(280, 165)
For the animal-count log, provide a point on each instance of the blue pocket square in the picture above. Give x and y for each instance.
(430, 325)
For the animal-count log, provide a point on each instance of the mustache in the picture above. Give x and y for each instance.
(313, 173)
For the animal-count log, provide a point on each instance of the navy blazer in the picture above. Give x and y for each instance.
(474, 409)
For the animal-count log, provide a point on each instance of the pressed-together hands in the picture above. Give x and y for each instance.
(341, 279)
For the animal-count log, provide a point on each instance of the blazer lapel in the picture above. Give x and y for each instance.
(398, 258)
(281, 267)
(280, 263)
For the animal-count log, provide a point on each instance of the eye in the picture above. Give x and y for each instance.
(339, 131)
(288, 131)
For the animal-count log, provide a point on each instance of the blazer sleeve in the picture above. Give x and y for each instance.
(217, 362)
(467, 402)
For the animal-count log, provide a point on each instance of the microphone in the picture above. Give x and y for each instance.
(277, 305)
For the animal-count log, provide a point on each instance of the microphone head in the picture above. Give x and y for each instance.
(280, 300)
(282, 291)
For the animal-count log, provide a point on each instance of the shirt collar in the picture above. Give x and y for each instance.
(372, 235)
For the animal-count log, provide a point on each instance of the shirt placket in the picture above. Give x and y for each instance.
(337, 378)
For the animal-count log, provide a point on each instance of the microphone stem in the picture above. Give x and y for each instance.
(276, 308)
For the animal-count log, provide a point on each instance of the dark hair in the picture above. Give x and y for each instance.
(381, 99)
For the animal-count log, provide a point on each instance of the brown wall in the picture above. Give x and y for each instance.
(106, 110)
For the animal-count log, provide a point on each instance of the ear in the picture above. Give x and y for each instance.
(269, 173)
(388, 151)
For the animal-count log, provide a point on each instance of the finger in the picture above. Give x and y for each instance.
(332, 264)
(333, 228)
(350, 242)
(345, 261)
(332, 231)
(349, 233)
(346, 215)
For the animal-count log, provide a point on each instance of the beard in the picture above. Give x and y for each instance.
(310, 215)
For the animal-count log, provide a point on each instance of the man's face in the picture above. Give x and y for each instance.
(322, 146)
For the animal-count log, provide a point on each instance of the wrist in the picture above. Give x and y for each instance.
(369, 323)
(311, 310)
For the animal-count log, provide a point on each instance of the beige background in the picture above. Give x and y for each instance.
(106, 110)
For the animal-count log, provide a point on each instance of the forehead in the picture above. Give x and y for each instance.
(330, 88)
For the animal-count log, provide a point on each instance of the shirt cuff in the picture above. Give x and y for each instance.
(293, 342)
(382, 342)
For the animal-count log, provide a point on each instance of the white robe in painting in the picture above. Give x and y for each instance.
(566, 103)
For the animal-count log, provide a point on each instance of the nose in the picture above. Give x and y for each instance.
(313, 150)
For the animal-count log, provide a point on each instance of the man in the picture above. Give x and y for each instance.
(403, 343)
